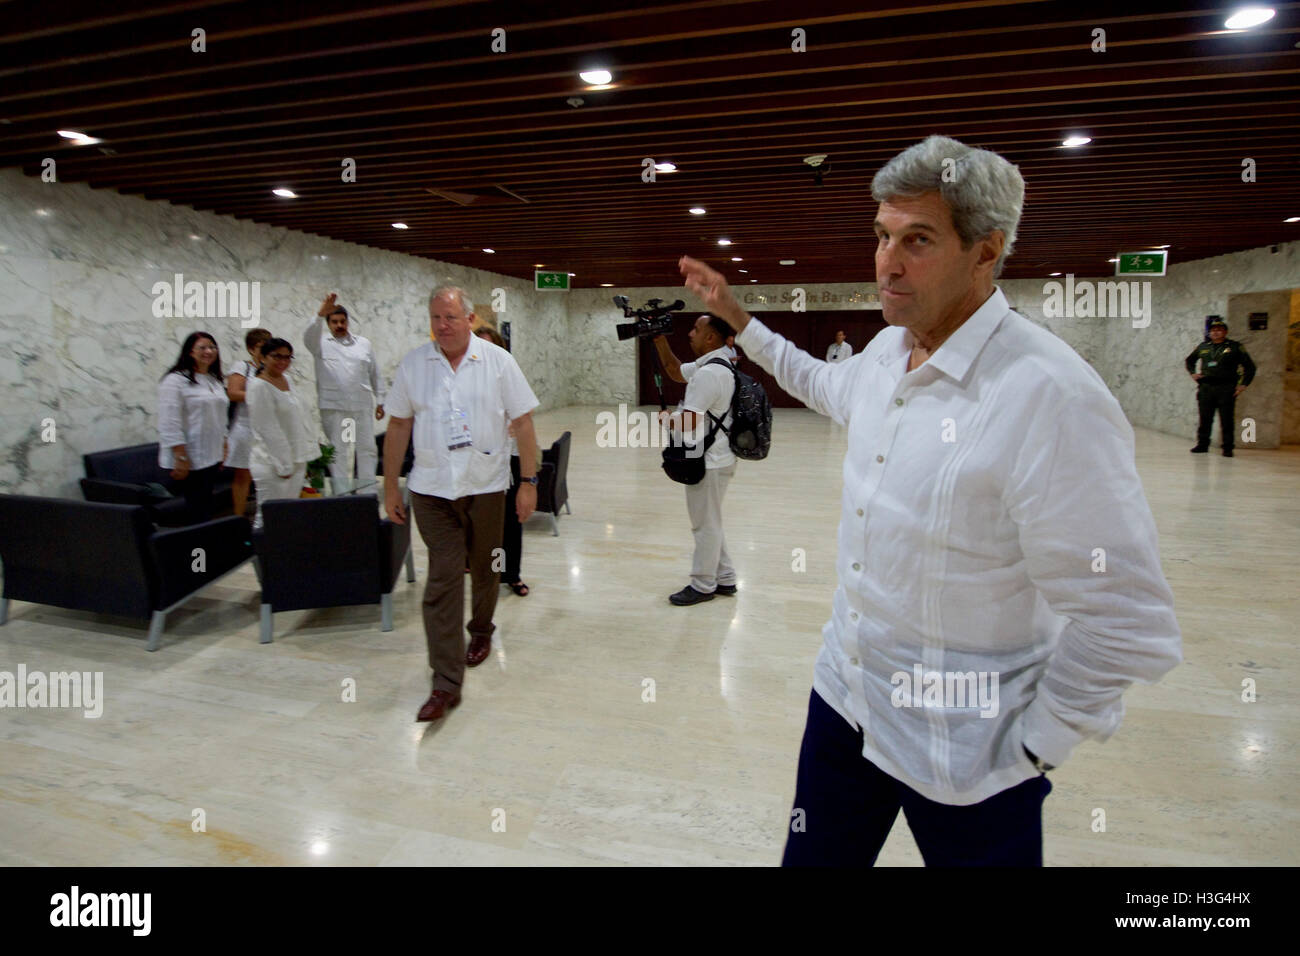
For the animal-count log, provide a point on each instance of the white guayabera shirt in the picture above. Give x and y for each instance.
(347, 372)
(839, 351)
(984, 494)
(193, 415)
(489, 388)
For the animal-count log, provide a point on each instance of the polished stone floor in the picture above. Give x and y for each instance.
(609, 727)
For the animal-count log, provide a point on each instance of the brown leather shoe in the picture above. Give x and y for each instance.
(479, 649)
(439, 702)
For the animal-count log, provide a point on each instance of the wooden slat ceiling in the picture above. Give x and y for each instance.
(415, 95)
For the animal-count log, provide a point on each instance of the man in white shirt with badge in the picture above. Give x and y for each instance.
(706, 406)
(453, 396)
(840, 349)
(347, 385)
(1000, 583)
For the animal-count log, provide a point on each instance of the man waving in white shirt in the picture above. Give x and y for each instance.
(999, 580)
(347, 382)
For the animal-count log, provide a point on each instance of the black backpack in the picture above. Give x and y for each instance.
(750, 435)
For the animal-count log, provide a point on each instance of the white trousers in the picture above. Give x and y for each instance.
(271, 486)
(712, 564)
(363, 446)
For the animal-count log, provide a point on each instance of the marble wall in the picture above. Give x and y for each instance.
(82, 349)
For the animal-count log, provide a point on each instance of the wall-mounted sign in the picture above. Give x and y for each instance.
(551, 281)
(1142, 263)
(1258, 321)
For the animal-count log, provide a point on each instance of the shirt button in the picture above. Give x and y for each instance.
(880, 458)
(898, 401)
(854, 615)
(856, 566)
(859, 512)
(853, 661)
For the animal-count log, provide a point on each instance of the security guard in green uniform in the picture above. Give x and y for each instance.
(1217, 386)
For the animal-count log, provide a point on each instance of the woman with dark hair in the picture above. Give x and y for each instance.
(513, 533)
(241, 435)
(282, 442)
(192, 411)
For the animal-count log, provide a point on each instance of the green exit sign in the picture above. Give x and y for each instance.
(1141, 263)
(551, 281)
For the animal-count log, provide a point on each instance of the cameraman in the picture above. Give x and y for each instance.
(680, 371)
(709, 391)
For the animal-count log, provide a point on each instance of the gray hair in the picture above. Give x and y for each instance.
(983, 190)
(453, 290)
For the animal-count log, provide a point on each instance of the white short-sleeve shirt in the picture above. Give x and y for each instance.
(192, 414)
(709, 389)
(489, 387)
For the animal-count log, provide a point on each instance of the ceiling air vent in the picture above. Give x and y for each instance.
(479, 196)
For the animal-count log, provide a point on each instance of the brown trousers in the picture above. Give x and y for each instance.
(459, 534)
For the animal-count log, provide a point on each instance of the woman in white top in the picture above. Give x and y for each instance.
(241, 434)
(192, 410)
(282, 442)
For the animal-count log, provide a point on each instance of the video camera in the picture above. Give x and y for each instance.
(654, 319)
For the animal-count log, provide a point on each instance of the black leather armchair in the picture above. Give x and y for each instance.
(123, 475)
(552, 481)
(109, 558)
(329, 552)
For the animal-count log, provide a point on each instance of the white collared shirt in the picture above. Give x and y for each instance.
(992, 522)
(709, 389)
(282, 438)
(193, 415)
(347, 372)
(489, 387)
(839, 351)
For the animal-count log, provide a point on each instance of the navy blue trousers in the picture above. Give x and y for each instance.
(849, 806)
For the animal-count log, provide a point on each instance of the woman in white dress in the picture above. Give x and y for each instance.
(241, 435)
(192, 411)
(282, 441)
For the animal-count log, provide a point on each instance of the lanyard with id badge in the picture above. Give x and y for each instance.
(456, 424)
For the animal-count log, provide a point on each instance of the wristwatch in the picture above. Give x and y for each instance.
(1039, 764)
(531, 479)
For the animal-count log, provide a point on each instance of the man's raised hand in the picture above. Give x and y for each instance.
(712, 289)
(327, 306)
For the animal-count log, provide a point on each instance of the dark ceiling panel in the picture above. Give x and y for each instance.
(414, 93)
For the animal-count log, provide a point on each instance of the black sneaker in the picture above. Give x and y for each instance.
(688, 595)
(1200, 449)
(727, 590)
(1227, 453)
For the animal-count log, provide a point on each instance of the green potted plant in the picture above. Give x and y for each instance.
(316, 470)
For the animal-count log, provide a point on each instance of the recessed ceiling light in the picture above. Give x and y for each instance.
(607, 285)
(400, 225)
(1054, 273)
(1165, 246)
(724, 242)
(573, 273)
(79, 138)
(1112, 260)
(1292, 219)
(595, 77)
(753, 280)
(787, 262)
(666, 167)
(698, 210)
(538, 265)
(285, 193)
(1076, 141)
(1248, 17)
(742, 270)
(486, 249)
(815, 160)
(737, 259)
